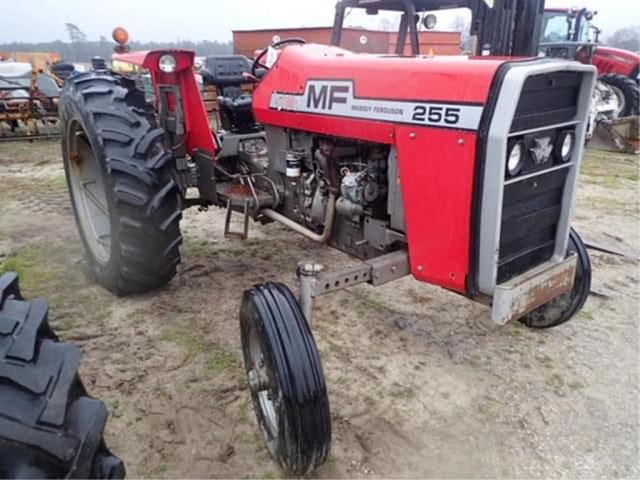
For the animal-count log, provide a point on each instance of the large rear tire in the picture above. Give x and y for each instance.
(286, 378)
(49, 426)
(126, 202)
(627, 91)
(563, 308)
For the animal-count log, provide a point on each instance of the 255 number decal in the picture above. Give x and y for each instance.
(433, 114)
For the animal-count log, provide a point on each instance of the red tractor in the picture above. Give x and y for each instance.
(461, 172)
(570, 33)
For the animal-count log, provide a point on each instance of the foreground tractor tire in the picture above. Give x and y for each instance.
(119, 173)
(562, 309)
(286, 378)
(627, 91)
(49, 426)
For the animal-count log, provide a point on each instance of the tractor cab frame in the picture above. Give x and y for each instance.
(569, 33)
(508, 28)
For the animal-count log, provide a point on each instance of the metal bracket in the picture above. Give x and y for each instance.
(377, 271)
(227, 222)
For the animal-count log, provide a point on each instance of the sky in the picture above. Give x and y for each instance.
(167, 20)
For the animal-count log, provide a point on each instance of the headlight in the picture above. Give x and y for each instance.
(167, 63)
(515, 159)
(564, 146)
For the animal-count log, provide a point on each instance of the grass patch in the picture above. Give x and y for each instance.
(191, 342)
(256, 249)
(610, 169)
(52, 271)
(222, 360)
(200, 248)
(36, 266)
(159, 470)
(369, 302)
(613, 203)
(243, 414)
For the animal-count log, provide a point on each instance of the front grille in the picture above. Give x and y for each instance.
(547, 99)
(530, 215)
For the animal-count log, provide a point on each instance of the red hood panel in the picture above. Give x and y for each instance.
(441, 79)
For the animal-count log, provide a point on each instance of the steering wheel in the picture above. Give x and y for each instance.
(257, 63)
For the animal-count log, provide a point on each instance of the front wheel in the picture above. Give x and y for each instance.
(285, 378)
(563, 308)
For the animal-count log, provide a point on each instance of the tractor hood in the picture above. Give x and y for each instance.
(371, 92)
(616, 60)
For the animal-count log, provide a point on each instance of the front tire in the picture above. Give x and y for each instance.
(119, 173)
(286, 378)
(49, 426)
(563, 308)
(627, 91)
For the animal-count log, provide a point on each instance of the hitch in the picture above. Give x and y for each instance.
(314, 282)
(244, 234)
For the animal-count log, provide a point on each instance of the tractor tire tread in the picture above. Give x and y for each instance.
(49, 426)
(307, 442)
(146, 201)
(629, 89)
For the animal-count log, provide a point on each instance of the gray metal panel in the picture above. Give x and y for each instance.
(395, 206)
(493, 183)
(525, 293)
(569, 199)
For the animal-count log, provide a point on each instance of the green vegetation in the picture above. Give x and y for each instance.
(221, 360)
(188, 340)
(35, 265)
(609, 169)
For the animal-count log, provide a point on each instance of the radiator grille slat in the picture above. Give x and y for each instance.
(530, 216)
(547, 100)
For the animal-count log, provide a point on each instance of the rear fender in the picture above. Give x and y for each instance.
(197, 128)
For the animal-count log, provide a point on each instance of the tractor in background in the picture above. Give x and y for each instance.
(461, 172)
(613, 121)
(571, 33)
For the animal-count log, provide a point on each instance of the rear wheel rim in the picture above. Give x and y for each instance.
(89, 195)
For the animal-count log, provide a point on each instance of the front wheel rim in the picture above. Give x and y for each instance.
(88, 191)
(265, 390)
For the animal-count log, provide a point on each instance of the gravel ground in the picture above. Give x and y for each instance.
(421, 384)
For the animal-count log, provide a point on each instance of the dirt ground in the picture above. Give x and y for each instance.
(421, 385)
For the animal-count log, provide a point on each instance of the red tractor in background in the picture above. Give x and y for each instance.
(461, 172)
(570, 33)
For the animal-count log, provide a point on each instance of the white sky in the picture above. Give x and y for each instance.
(166, 20)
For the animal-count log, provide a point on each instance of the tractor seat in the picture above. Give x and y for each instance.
(237, 104)
(226, 73)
